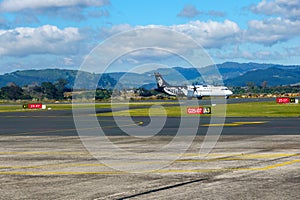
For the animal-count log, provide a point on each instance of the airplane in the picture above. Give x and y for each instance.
(191, 91)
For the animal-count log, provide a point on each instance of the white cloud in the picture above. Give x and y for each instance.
(282, 26)
(106, 32)
(209, 34)
(46, 39)
(271, 31)
(214, 13)
(285, 8)
(189, 11)
(19, 5)
(163, 44)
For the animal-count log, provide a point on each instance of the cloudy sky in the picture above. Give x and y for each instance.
(38, 34)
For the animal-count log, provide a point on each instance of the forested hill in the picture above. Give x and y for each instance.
(273, 76)
(234, 74)
(28, 77)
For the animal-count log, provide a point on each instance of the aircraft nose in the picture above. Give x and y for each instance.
(229, 92)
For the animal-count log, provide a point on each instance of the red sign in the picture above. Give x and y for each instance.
(195, 110)
(283, 100)
(35, 106)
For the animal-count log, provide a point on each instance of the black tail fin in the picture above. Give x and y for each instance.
(160, 81)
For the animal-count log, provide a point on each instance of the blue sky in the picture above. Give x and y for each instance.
(38, 34)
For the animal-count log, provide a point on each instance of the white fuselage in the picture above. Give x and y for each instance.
(197, 90)
(190, 91)
(209, 90)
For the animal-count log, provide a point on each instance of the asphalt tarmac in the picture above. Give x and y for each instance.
(43, 157)
(61, 123)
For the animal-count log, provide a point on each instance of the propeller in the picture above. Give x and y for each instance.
(194, 88)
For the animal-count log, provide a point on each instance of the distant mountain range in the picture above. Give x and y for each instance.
(274, 76)
(233, 74)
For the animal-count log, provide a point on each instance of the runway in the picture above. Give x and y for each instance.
(61, 123)
(42, 156)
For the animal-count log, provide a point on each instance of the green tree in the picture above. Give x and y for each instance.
(12, 92)
(49, 90)
(102, 94)
(61, 88)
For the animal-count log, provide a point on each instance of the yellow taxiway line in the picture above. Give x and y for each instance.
(263, 168)
(236, 123)
(163, 171)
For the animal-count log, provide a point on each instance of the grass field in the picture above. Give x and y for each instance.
(255, 109)
(261, 109)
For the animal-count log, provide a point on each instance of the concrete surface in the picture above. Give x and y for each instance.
(239, 167)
